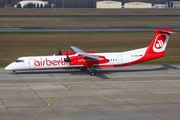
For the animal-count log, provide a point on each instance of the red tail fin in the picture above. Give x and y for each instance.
(159, 42)
(157, 46)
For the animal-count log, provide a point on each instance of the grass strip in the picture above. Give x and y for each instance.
(90, 21)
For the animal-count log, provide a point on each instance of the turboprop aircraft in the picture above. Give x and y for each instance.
(78, 58)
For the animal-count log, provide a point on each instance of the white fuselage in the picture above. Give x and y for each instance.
(87, 60)
(57, 62)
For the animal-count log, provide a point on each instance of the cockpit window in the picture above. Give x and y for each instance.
(19, 61)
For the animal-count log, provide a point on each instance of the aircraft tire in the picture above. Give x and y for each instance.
(14, 72)
(92, 74)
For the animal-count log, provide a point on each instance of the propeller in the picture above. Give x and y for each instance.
(59, 52)
(67, 59)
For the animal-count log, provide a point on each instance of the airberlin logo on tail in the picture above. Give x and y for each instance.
(160, 42)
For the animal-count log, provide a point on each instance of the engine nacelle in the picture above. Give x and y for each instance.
(80, 60)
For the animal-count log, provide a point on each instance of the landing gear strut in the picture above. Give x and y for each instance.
(91, 70)
(14, 72)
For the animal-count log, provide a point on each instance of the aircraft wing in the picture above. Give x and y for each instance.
(82, 53)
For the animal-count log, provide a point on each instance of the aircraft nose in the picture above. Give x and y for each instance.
(9, 67)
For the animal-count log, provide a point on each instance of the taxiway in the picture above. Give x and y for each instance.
(81, 28)
(128, 93)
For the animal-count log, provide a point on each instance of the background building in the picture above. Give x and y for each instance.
(95, 3)
(175, 4)
(159, 6)
(108, 4)
(137, 5)
(32, 4)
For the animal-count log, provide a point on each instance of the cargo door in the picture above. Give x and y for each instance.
(120, 60)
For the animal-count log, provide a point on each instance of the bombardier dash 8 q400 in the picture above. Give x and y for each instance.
(78, 58)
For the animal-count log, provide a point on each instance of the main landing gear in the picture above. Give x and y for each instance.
(14, 72)
(91, 70)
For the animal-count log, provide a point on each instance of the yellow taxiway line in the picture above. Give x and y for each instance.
(50, 103)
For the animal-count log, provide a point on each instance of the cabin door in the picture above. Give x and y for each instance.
(31, 63)
(120, 61)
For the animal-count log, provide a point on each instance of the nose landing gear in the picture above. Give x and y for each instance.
(14, 72)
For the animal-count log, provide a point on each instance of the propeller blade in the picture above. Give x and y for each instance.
(59, 51)
(67, 59)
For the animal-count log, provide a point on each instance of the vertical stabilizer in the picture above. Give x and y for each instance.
(157, 46)
(159, 43)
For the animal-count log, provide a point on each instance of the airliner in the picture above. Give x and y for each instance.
(85, 60)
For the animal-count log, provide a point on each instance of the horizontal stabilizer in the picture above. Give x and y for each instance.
(164, 31)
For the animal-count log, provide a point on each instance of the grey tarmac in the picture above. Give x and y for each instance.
(141, 92)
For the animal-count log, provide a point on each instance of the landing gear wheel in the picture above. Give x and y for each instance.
(91, 70)
(14, 72)
(92, 74)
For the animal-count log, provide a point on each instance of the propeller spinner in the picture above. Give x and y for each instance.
(67, 59)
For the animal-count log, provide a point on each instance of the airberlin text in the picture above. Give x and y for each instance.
(47, 62)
